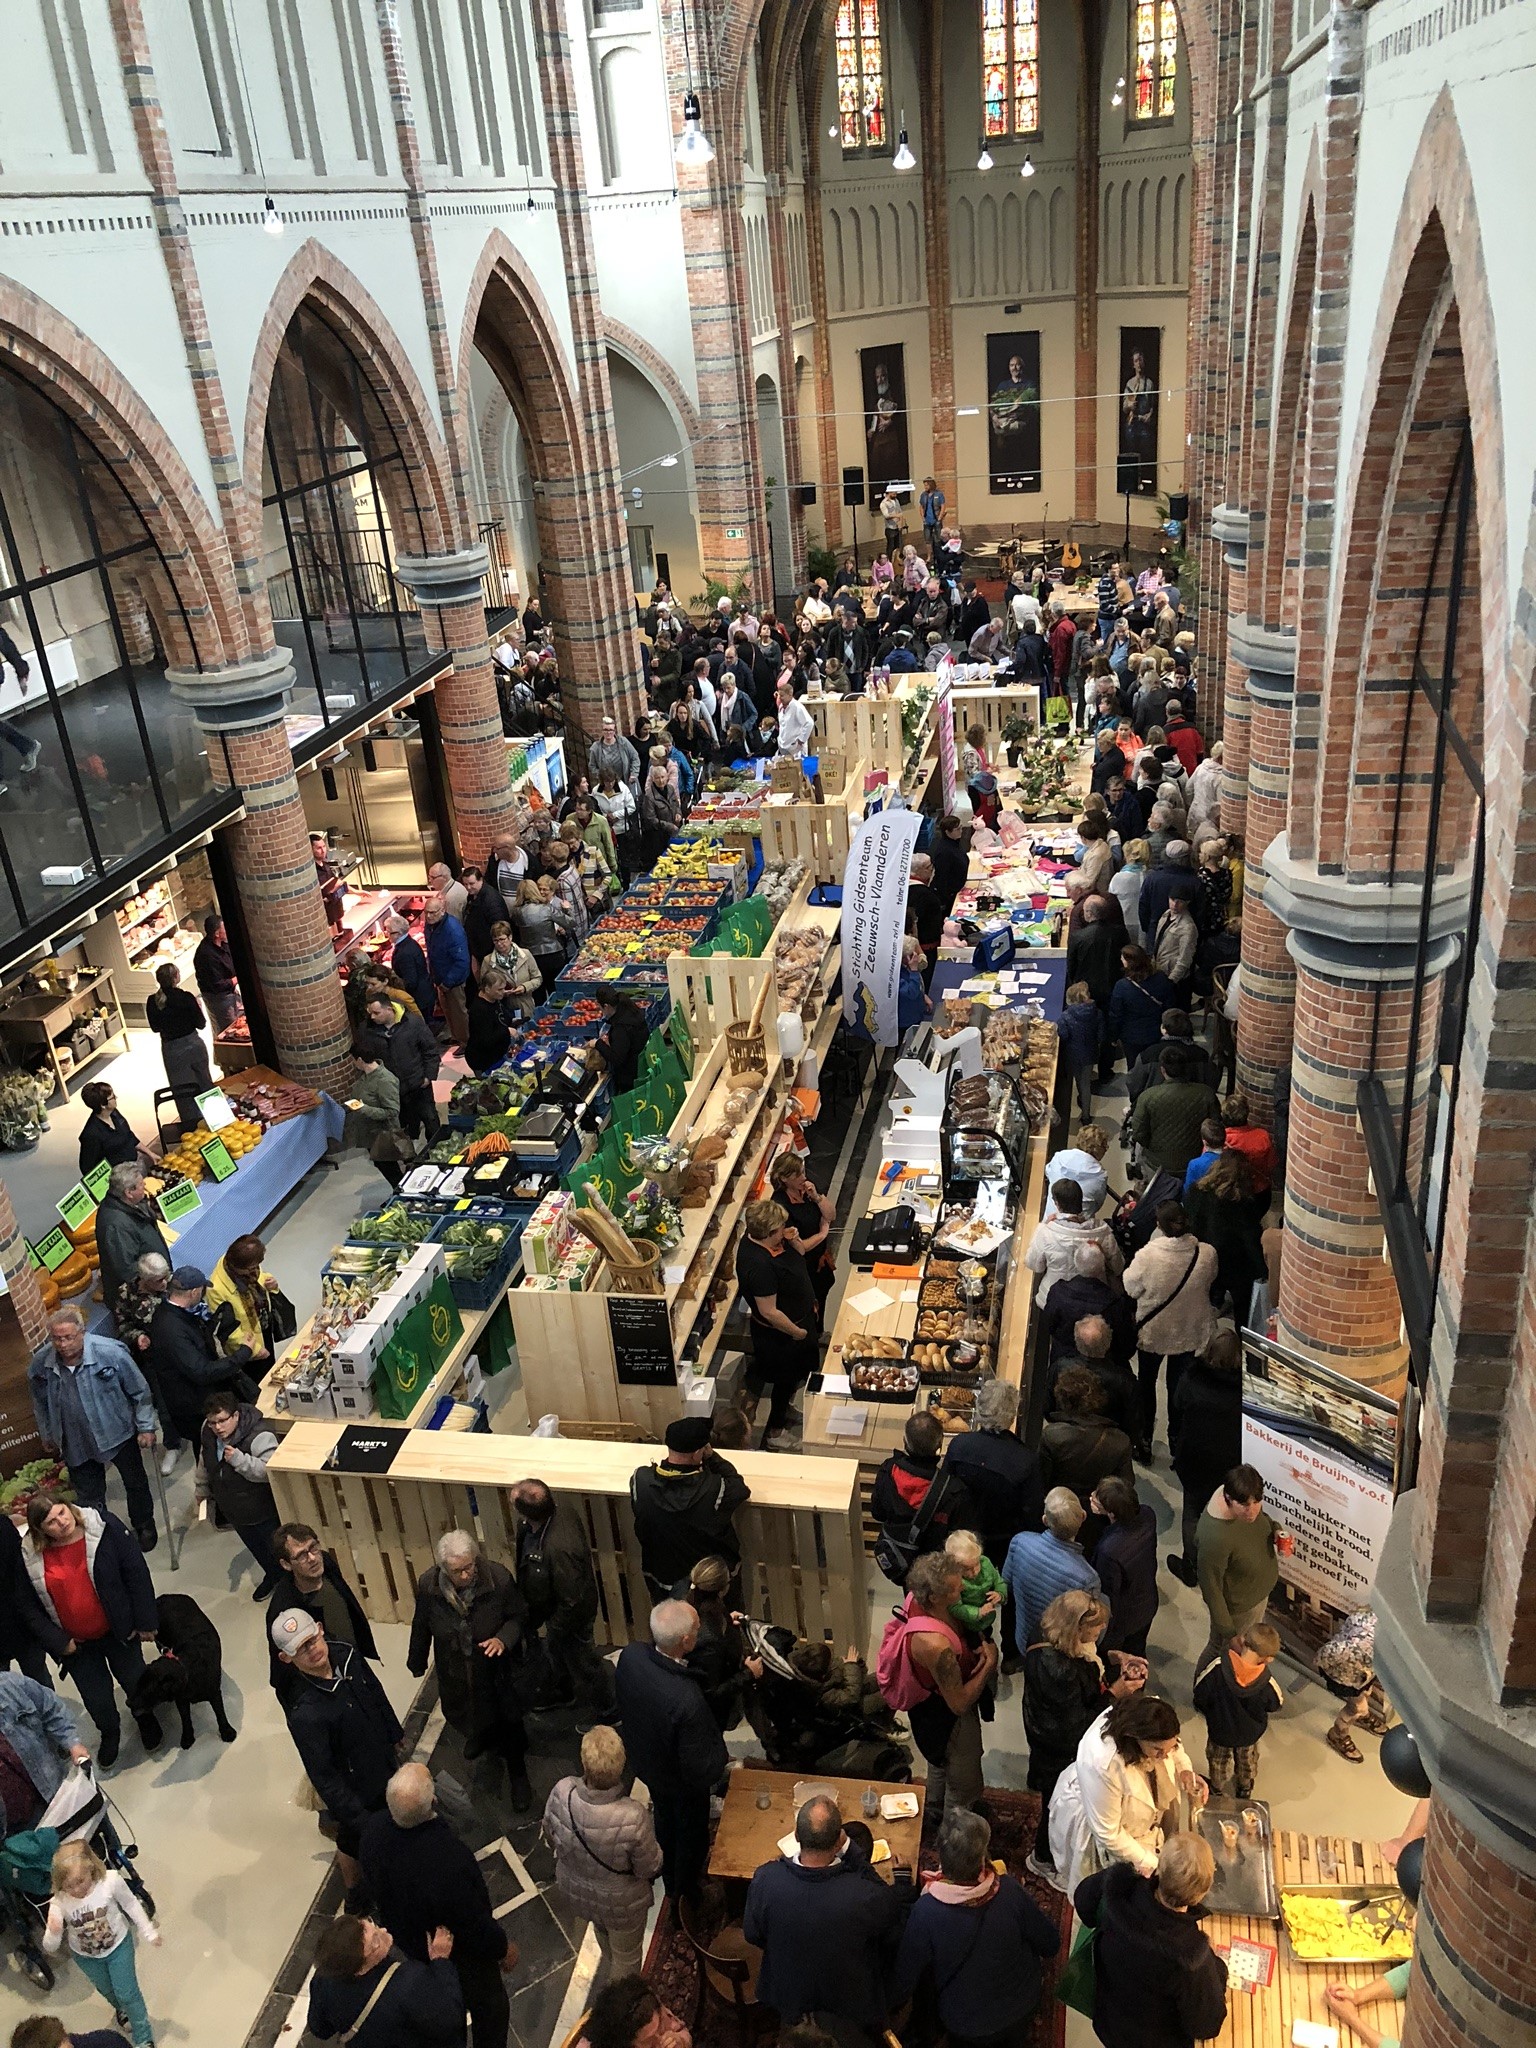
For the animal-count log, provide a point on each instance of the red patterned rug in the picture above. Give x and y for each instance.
(673, 1969)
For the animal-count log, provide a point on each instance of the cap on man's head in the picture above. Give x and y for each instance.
(186, 1278)
(690, 1433)
(292, 1629)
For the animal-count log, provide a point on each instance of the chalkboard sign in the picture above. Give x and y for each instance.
(641, 1329)
(220, 1162)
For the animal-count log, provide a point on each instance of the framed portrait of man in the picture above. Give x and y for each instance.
(886, 456)
(1141, 351)
(1013, 411)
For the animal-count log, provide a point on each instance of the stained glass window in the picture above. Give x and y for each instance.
(1010, 67)
(1154, 60)
(860, 76)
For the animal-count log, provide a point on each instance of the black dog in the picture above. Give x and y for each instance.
(189, 1667)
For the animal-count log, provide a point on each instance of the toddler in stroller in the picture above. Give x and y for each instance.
(811, 1710)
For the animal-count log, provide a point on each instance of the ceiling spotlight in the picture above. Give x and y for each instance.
(984, 161)
(272, 222)
(1027, 168)
(903, 160)
(693, 145)
(967, 412)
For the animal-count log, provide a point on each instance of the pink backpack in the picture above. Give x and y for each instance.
(902, 1685)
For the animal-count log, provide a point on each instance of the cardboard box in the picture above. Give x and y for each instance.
(354, 1403)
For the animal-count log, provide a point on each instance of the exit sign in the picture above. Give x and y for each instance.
(735, 533)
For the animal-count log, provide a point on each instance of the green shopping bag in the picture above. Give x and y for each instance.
(1075, 1985)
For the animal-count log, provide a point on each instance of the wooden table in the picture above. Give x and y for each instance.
(1263, 2019)
(748, 1835)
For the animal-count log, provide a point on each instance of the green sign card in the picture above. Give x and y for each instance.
(78, 1206)
(98, 1179)
(32, 1253)
(220, 1163)
(54, 1249)
(179, 1201)
(217, 1109)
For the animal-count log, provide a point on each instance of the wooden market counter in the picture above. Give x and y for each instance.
(1264, 2018)
(801, 1533)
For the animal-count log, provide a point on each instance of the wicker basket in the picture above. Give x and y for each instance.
(745, 1050)
(639, 1279)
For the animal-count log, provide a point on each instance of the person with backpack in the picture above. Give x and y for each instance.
(929, 1673)
(915, 1504)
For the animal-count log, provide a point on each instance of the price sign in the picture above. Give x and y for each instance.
(78, 1206)
(179, 1201)
(218, 1111)
(641, 1327)
(98, 1179)
(53, 1250)
(32, 1253)
(220, 1163)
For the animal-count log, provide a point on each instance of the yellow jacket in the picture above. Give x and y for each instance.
(222, 1292)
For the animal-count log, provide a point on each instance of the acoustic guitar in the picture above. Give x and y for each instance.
(1071, 556)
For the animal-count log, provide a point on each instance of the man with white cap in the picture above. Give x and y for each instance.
(343, 1727)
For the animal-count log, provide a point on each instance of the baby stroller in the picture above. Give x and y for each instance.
(790, 1717)
(79, 1811)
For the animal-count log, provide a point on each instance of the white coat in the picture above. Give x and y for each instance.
(1105, 1810)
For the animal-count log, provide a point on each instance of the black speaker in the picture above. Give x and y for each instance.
(807, 494)
(853, 486)
(1178, 505)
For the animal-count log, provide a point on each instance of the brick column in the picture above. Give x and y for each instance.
(447, 587)
(789, 397)
(1085, 310)
(241, 710)
(1229, 525)
(20, 1274)
(1267, 989)
(1354, 946)
(934, 172)
(715, 256)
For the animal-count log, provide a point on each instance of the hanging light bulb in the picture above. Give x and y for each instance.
(693, 145)
(1027, 168)
(1119, 92)
(272, 222)
(903, 160)
(984, 161)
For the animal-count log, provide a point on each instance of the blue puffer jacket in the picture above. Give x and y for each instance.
(113, 1393)
(118, 1572)
(448, 952)
(1080, 1027)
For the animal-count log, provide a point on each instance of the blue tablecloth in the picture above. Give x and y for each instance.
(265, 1177)
(1047, 983)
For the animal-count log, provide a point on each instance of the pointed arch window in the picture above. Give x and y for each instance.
(1154, 59)
(860, 59)
(1010, 68)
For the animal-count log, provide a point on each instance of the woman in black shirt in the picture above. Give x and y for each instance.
(621, 1040)
(811, 1216)
(106, 1136)
(175, 1014)
(782, 1301)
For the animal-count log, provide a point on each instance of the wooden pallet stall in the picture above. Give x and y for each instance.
(803, 1562)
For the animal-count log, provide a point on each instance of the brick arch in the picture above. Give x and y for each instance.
(50, 353)
(1436, 263)
(315, 277)
(641, 356)
(526, 354)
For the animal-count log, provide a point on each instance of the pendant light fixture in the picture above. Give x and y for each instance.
(272, 222)
(984, 161)
(693, 145)
(903, 160)
(1119, 93)
(1027, 168)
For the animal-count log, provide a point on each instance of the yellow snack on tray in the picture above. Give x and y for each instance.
(1321, 1929)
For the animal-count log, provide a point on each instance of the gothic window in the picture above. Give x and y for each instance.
(1010, 68)
(860, 77)
(1154, 59)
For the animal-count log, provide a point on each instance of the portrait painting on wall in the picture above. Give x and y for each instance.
(886, 456)
(1013, 411)
(1141, 351)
